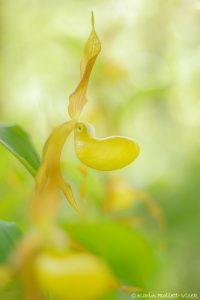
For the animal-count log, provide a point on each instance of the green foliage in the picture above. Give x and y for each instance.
(9, 234)
(18, 142)
(127, 251)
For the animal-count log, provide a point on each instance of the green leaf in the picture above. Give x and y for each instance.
(9, 234)
(129, 254)
(18, 142)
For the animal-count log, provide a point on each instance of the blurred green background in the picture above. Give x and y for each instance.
(145, 84)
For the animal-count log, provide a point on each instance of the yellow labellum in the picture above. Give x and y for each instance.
(73, 276)
(103, 154)
(78, 99)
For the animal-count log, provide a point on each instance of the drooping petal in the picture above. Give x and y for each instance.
(78, 99)
(50, 167)
(49, 178)
(67, 190)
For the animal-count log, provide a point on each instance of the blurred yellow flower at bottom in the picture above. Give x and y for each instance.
(73, 276)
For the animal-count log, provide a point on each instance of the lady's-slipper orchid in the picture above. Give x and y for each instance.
(49, 179)
(105, 154)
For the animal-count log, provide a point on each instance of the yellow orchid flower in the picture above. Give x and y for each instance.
(75, 276)
(104, 154)
(49, 179)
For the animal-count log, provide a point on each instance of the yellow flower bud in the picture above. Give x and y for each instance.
(119, 194)
(73, 276)
(103, 154)
(6, 275)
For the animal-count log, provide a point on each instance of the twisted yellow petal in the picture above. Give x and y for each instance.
(77, 99)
